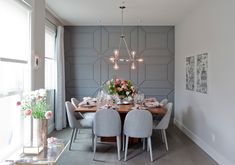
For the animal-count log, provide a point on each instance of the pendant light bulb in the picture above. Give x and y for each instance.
(133, 54)
(133, 66)
(116, 67)
(116, 53)
(140, 60)
(112, 59)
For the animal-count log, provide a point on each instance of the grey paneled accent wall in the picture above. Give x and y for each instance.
(87, 52)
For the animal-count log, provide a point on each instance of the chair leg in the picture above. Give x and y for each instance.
(127, 139)
(92, 139)
(123, 142)
(162, 134)
(147, 145)
(76, 133)
(94, 149)
(118, 146)
(143, 143)
(165, 139)
(150, 148)
(71, 140)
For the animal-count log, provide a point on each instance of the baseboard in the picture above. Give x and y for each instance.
(203, 145)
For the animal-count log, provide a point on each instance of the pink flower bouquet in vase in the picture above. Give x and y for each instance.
(122, 88)
(36, 111)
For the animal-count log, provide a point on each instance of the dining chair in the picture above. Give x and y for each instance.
(107, 123)
(76, 124)
(138, 124)
(164, 102)
(164, 123)
(85, 115)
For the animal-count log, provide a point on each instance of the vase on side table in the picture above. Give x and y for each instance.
(36, 139)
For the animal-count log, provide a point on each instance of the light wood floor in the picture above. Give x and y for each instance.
(182, 151)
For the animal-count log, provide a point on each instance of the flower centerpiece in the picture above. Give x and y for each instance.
(36, 111)
(120, 87)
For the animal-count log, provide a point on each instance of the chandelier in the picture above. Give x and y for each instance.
(132, 58)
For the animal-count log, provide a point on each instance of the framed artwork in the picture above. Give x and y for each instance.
(190, 73)
(202, 73)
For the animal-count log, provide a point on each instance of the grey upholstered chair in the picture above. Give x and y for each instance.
(76, 124)
(164, 123)
(85, 115)
(138, 124)
(107, 123)
(164, 102)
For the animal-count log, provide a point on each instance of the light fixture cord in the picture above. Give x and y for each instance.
(122, 20)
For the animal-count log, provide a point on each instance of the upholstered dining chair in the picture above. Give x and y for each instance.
(164, 123)
(85, 115)
(107, 123)
(164, 102)
(138, 124)
(80, 115)
(76, 124)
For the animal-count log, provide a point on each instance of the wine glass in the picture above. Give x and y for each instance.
(141, 99)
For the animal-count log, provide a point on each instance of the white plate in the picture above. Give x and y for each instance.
(142, 108)
(124, 103)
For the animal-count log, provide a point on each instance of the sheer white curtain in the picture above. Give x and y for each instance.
(60, 115)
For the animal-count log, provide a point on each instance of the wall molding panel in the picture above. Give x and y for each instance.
(87, 52)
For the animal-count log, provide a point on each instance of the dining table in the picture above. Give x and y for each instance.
(123, 109)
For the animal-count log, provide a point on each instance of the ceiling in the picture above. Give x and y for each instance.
(107, 12)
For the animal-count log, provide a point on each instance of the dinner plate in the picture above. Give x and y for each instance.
(142, 108)
(123, 103)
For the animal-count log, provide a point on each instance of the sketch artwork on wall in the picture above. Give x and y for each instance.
(190, 72)
(202, 73)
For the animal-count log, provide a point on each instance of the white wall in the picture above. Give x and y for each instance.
(209, 28)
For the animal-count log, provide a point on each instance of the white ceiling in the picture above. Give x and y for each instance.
(107, 12)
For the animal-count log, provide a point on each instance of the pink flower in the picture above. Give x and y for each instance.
(124, 87)
(28, 112)
(123, 82)
(18, 103)
(48, 114)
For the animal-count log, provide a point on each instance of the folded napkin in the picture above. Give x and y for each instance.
(87, 103)
(86, 98)
(151, 104)
(151, 99)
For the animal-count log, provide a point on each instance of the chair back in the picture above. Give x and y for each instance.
(164, 102)
(138, 123)
(75, 102)
(163, 124)
(107, 123)
(73, 123)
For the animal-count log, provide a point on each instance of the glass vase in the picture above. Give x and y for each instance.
(36, 139)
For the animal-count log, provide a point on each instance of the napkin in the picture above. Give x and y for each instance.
(151, 104)
(151, 99)
(87, 103)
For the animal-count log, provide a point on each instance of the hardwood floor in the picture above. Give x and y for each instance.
(182, 151)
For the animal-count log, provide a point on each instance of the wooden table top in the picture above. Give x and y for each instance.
(122, 109)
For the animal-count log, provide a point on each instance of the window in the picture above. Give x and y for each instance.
(50, 60)
(14, 71)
